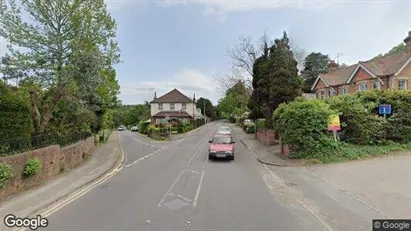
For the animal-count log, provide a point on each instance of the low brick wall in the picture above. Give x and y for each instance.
(285, 149)
(266, 136)
(52, 158)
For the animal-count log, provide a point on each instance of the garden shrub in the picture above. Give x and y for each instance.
(250, 129)
(261, 123)
(32, 167)
(15, 120)
(359, 124)
(142, 127)
(303, 125)
(6, 173)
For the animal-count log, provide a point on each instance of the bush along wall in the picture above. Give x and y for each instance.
(15, 121)
(303, 125)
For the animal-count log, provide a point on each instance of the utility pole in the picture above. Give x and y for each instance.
(338, 58)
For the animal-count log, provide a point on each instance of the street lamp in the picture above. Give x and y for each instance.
(204, 108)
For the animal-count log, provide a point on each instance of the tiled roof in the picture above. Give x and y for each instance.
(338, 77)
(181, 114)
(174, 96)
(381, 66)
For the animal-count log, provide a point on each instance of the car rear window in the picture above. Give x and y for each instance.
(221, 140)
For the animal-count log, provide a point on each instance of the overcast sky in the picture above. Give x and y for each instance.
(183, 44)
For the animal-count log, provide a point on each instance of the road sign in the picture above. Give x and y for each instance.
(384, 109)
(334, 123)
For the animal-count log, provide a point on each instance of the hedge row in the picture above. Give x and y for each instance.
(15, 119)
(303, 123)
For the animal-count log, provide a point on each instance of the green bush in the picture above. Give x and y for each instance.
(359, 124)
(250, 129)
(32, 167)
(180, 129)
(188, 127)
(6, 173)
(142, 127)
(303, 125)
(15, 119)
(261, 123)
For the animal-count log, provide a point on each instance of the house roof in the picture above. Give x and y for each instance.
(181, 114)
(381, 66)
(174, 96)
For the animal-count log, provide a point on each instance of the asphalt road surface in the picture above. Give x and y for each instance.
(173, 186)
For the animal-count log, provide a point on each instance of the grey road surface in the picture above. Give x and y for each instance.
(173, 186)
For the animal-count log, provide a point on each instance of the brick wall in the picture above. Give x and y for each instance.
(51, 157)
(266, 136)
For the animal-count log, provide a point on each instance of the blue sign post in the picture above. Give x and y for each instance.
(384, 109)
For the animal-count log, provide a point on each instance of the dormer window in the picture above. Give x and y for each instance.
(160, 106)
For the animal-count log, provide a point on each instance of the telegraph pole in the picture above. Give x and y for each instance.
(204, 108)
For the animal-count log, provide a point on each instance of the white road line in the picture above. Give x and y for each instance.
(198, 189)
(186, 199)
(300, 201)
(144, 157)
(169, 190)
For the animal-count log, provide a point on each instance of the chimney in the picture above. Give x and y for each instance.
(194, 98)
(155, 95)
(332, 67)
(407, 42)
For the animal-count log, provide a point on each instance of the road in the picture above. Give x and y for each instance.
(173, 186)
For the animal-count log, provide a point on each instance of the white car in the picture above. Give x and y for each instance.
(223, 130)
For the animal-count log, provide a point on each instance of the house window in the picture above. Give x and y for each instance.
(362, 86)
(322, 94)
(331, 93)
(172, 106)
(160, 106)
(184, 106)
(345, 91)
(376, 85)
(402, 84)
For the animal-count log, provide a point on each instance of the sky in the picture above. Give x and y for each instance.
(183, 44)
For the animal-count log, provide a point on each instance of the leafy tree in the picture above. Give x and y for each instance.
(281, 84)
(315, 64)
(234, 103)
(67, 45)
(209, 108)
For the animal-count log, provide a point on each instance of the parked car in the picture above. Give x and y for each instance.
(121, 128)
(224, 130)
(134, 129)
(221, 146)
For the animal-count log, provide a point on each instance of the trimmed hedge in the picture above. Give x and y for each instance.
(15, 119)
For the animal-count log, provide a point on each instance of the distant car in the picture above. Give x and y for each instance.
(121, 128)
(223, 130)
(134, 129)
(221, 146)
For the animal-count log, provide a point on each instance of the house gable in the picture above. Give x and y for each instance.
(405, 70)
(319, 84)
(362, 73)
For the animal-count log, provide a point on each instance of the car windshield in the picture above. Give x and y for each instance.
(222, 140)
(224, 129)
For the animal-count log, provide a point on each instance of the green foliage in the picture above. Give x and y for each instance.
(359, 124)
(235, 101)
(15, 119)
(6, 173)
(142, 127)
(136, 113)
(315, 63)
(261, 123)
(32, 167)
(303, 125)
(400, 47)
(250, 128)
(210, 110)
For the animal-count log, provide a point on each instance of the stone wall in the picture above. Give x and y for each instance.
(53, 161)
(266, 136)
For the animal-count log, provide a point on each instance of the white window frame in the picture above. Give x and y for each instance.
(405, 87)
(160, 106)
(378, 84)
(172, 106)
(322, 94)
(360, 84)
(184, 106)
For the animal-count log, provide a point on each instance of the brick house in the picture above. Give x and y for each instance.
(172, 105)
(386, 72)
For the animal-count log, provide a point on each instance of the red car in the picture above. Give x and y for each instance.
(221, 146)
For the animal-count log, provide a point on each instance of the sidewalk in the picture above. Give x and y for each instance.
(103, 159)
(263, 153)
